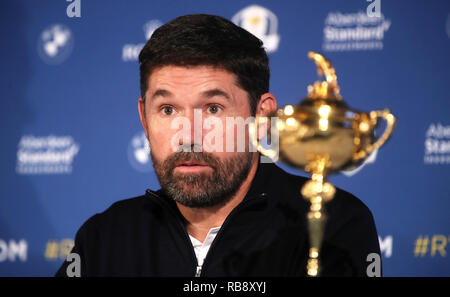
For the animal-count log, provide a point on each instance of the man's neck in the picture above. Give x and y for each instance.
(201, 220)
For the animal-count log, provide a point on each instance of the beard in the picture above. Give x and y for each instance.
(203, 189)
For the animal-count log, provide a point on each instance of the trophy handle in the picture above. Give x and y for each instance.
(364, 127)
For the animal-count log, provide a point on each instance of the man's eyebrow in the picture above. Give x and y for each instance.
(161, 93)
(206, 94)
(215, 92)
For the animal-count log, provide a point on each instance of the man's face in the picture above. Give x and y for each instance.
(184, 109)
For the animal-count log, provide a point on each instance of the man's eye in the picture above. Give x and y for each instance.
(167, 110)
(212, 109)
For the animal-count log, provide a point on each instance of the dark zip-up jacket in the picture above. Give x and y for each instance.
(265, 235)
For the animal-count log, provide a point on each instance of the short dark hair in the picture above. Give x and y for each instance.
(201, 39)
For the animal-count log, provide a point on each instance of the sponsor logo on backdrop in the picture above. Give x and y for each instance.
(354, 31)
(55, 44)
(437, 144)
(58, 249)
(12, 250)
(46, 154)
(139, 153)
(262, 23)
(431, 245)
(386, 245)
(130, 51)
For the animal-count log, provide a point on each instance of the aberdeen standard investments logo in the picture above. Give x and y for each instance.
(55, 44)
(46, 155)
(437, 144)
(354, 31)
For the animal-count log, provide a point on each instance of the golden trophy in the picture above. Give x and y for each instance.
(322, 135)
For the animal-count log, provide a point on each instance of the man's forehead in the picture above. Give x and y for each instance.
(173, 74)
(202, 81)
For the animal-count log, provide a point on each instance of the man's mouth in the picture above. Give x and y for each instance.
(191, 166)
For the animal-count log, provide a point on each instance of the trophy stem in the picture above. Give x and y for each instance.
(317, 192)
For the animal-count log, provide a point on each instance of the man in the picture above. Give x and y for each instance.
(218, 212)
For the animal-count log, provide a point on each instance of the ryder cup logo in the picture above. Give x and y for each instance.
(55, 44)
(262, 23)
(139, 153)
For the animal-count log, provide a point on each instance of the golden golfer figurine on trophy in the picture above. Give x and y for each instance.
(322, 135)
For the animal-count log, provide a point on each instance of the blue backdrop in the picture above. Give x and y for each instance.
(72, 144)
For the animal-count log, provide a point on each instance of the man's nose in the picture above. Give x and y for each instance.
(195, 137)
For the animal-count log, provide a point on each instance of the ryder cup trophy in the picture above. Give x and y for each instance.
(322, 135)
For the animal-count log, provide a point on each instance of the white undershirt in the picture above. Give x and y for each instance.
(201, 249)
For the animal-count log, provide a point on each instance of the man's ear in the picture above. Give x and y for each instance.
(266, 105)
(142, 116)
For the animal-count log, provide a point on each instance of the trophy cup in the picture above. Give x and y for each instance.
(322, 135)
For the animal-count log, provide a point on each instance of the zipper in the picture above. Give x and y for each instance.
(200, 268)
(225, 223)
(198, 272)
